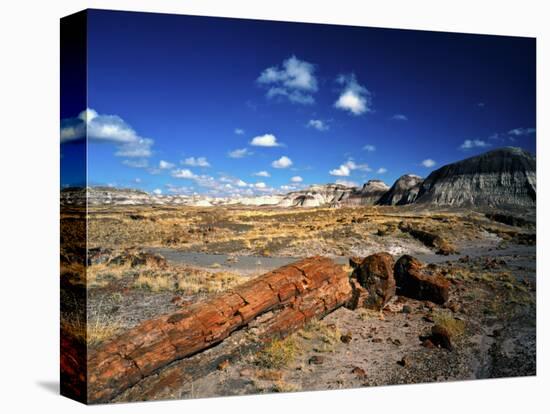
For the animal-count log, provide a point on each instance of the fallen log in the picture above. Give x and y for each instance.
(300, 291)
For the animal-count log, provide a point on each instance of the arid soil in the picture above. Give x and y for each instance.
(148, 261)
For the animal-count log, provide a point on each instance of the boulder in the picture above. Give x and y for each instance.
(414, 280)
(375, 275)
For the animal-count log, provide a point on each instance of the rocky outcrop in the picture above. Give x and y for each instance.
(375, 275)
(369, 195)
(418, 282)
(298, 292)
(403, 191)
(503, 177)
(429, 239)
(317, 196)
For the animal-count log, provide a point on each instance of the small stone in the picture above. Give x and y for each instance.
(222, 366)
(316, 360)
(406, 309)
(377, 340)
(346, 338)
(404, 362)
(359, 372)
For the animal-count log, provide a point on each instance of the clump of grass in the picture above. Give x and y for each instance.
(454, 326)
(92, 333)
(279, 353)
(154, 283)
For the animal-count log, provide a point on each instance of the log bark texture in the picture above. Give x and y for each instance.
(301, 291)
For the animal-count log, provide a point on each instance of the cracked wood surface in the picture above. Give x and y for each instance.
(300, 291)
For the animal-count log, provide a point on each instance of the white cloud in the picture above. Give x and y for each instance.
(521, 131)
(399, 117)
(165, 165)
(342, 171)
(347, 183)
(241, 183)
(196, 162)
(354, 97)
(183, 173)
(345, 169)
(157, 191)
(283, 162)
(294, 80)
(428, 163)
(318, 124)
(296, 179)
(260, 185)
(369, 148)
(381, 170)
(106, 128)
(239, 131)
(262, 174)
(239, 153)
(474, 143)
(266, 140)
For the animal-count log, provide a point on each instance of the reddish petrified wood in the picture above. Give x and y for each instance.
(414, 280)
(375, 275)
(301, 291)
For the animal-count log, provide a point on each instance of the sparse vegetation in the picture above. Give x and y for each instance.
(279, 353)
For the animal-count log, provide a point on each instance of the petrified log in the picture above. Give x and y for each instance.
(375, 275)
(417, 282)
(300, 291)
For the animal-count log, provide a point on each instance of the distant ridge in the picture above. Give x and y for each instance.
(502, 177)
(505, 177)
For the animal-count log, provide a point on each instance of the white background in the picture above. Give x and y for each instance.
(29, 157)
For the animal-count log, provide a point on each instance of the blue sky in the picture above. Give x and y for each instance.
(182, 104)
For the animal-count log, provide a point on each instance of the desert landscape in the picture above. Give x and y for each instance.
(331, 286)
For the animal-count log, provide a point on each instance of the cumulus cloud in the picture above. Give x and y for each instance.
(106, 128)
(157, 191)
(354, 97)
(318, 124)
(262, 174)
(521, 131)
(474, 143)
(428, 163)
(239, 153)
(345, 169)
(165, 165)
(239, 131)
(266, 140)
(347, 183)
(183, 173)
(283, 162)
(293, 80)
(369, 148)
(381, 170)
(196, 162)
(260, 185)
(296, 179)
(399, 117)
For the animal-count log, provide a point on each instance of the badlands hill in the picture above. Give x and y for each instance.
(503, 177)
(500, 178)
(403, 191)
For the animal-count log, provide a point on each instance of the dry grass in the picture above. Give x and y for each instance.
(454, 326)
(92, 333)
(279, 353)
